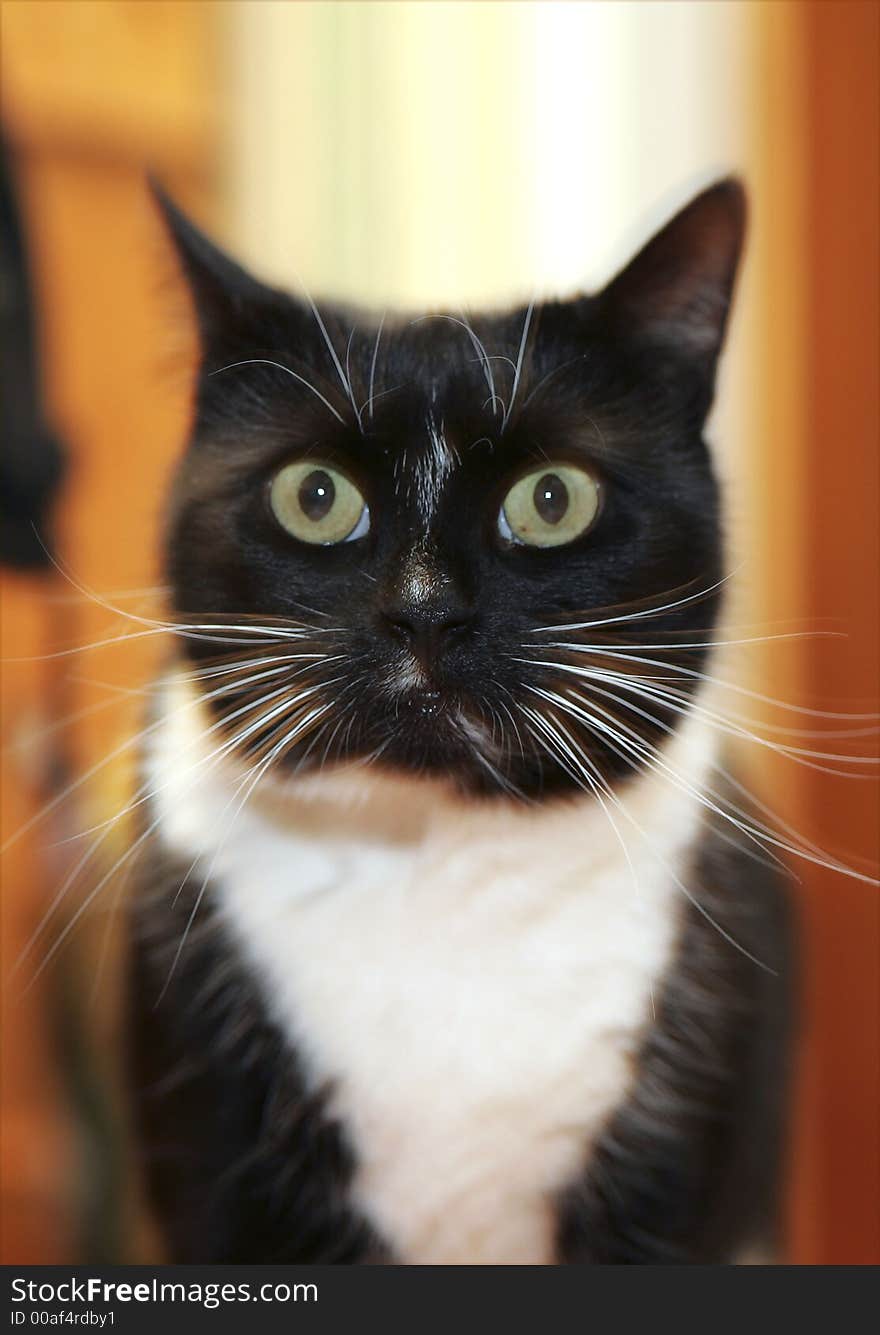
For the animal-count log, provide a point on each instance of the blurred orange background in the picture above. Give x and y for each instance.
(285, 133)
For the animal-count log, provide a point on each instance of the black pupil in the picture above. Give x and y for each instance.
(317, 494)
(551, 498)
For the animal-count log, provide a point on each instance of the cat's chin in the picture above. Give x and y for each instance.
(441, 738)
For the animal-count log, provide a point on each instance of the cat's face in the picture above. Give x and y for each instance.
(448, 545)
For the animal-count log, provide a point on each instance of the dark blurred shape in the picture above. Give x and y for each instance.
(32, 460)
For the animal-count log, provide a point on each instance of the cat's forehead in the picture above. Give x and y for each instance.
(440, 383)
(435, 459)
(441, 356)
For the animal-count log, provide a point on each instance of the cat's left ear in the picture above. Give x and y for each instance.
(676, 293)
(224, 294)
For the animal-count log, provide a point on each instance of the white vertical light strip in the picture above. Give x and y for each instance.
(374, 147)
(277, 117)
(576, 80)
(434, 153)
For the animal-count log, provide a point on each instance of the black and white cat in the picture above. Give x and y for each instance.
(447, 947)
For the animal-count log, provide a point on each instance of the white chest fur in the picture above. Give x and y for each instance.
(472, 980)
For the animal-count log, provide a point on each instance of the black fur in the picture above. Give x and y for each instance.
(243, 1164)
(242, 1160)
(620, 383)
(688, 1170)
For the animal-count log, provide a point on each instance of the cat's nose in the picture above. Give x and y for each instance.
(426, 615)
(427, 632)
(425, 605)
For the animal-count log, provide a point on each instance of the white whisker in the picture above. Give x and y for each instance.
(643, 753)
(372, 396)
(257, 772)
(264, 361)
(237, 740)
(519, 362)
(622, 618)
(677, 880)
(647, 686)
(346, 383)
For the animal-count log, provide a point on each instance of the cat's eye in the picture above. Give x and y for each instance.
(550, 506)
(317, 503)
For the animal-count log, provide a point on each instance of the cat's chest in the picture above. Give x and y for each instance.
(472, 985)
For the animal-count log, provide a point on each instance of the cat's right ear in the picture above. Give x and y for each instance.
(223, 293)
(676, 293)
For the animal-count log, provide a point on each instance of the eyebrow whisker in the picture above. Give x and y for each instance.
(372, 397)
(265, 361)
(519, 361)
(346, 383)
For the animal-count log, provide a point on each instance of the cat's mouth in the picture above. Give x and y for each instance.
(412, 681)
(436, 730)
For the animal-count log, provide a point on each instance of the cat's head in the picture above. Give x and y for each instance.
(484, 547)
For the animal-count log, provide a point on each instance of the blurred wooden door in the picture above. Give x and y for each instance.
(93, 93)
(842, 918)
(815, 485)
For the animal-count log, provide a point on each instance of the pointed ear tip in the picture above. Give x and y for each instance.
(730, 186)
(170, 212)
(195, 250)
(730, 198)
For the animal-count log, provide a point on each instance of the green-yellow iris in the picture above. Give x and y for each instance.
(318, 504)
(550, 506)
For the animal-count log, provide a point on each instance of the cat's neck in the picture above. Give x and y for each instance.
(357, 803)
